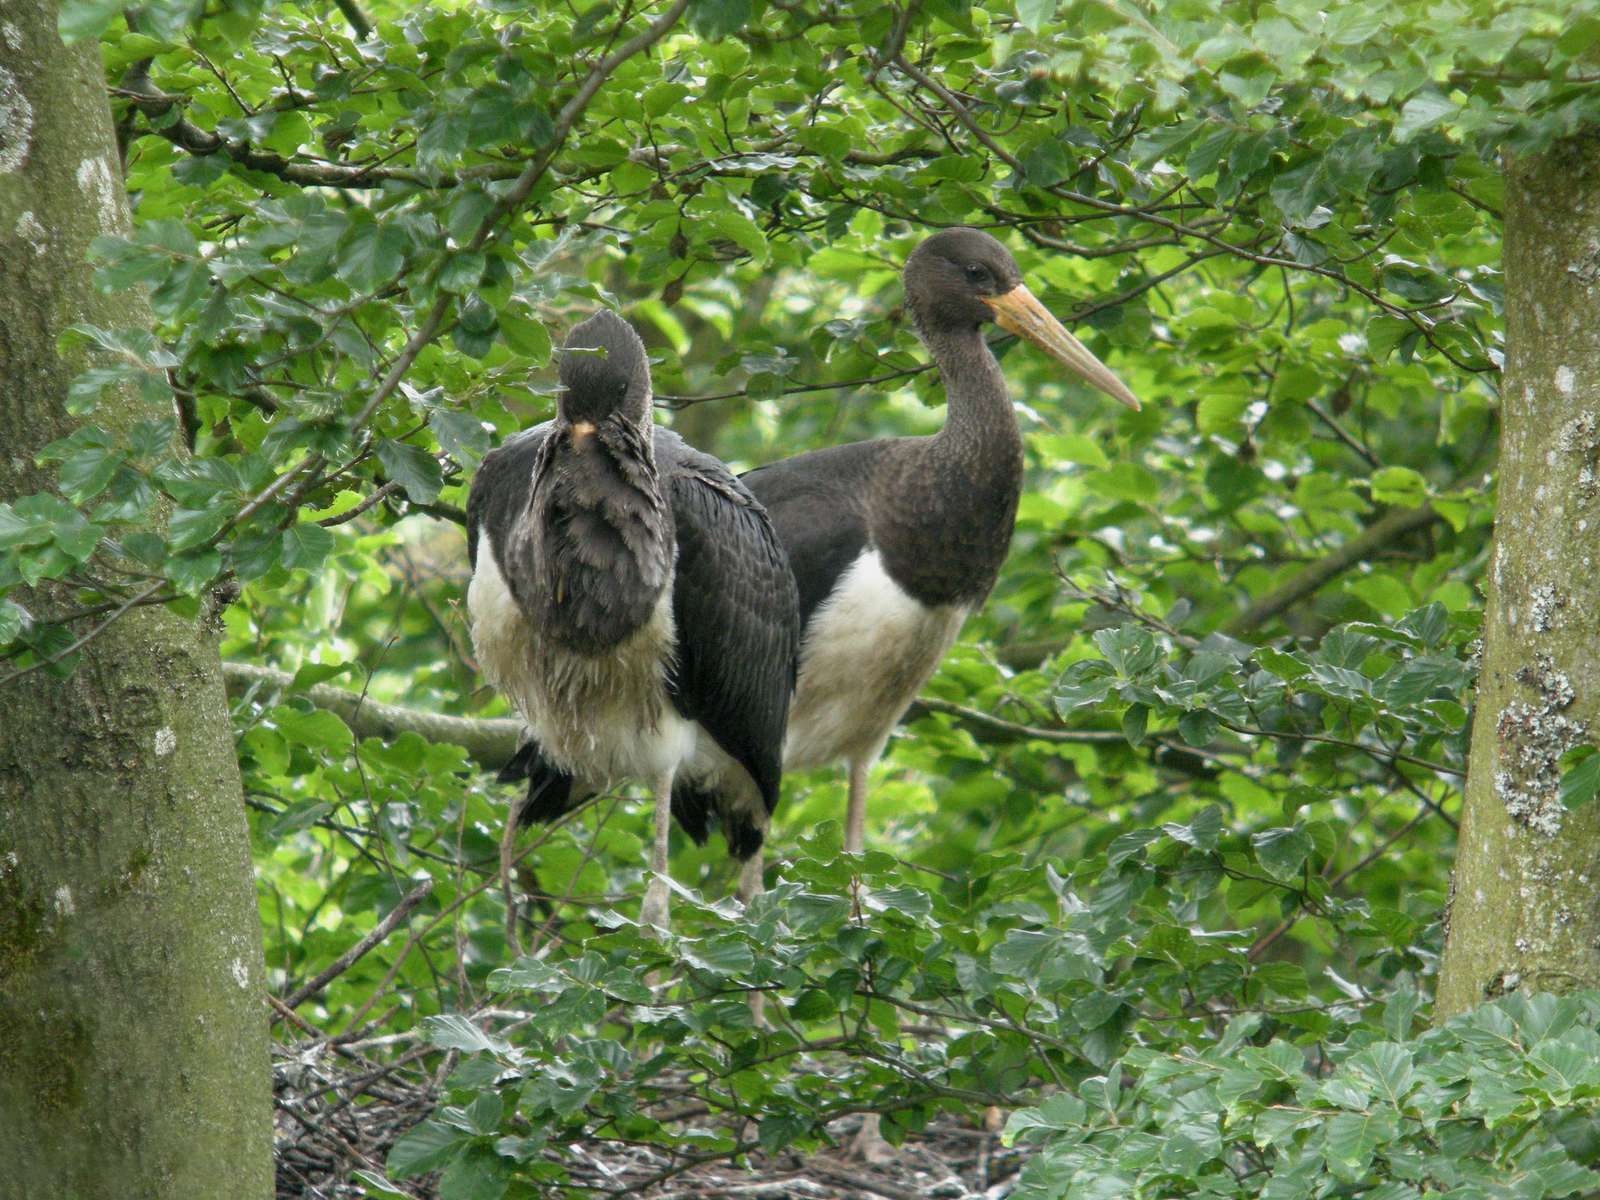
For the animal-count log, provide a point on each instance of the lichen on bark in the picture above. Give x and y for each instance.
(133, 1042)
(1524, 910)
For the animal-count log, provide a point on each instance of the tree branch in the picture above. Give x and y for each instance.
(490, 741)
(1391, 526)
(358, 19)
(349, 958)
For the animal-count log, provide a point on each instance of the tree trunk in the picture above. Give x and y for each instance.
(1525, 909)
(133, 1037)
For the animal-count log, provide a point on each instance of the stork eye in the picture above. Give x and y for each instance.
(979, 274)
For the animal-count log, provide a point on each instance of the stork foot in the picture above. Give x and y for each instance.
(653, 912)
(868, 1145)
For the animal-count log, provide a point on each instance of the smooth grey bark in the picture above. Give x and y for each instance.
(1525, 910)
(133, 1034)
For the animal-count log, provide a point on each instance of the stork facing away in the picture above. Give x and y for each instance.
(631, 601)
(894, 541)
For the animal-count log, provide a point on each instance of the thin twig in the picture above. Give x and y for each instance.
(351, 956)
(88, 637)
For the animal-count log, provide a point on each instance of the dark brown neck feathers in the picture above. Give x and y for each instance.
(944, 506)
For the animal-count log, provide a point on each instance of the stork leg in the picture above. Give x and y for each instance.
(868, 1145)
(654, 911)
(750, 878)
(749, 888)
(508, 840)
(855, 818)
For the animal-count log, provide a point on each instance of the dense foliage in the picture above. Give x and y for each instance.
(1161, 861)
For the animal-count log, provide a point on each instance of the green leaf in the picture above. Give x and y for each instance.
(716, 19)
(1352, 1140)
(318, 729)
(528, 338)
(1198, 728)
(1399, 485)
(1423, 676)
(479, 1174)
(1423, 111)
(780, 1129)
(85, 474)
(452, 1031)
(190, 526)
(191, 573)
(1387, 1067)
(740, 229)
(413, 468)
(1070, 448)
(13, 620)
(1580, 783)
(1035, 14)
(79, 20)
(1062, 1111)
(723, 956)
(371, 256)
(460, 435)
(1135, 720)
(1221, 414)
(1129, 649)
(305, 545)
(1126, 481)
(463, 271)
(423, 1148)
(1282, 851)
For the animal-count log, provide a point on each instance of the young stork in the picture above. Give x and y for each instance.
(630, 599)
(893, 542)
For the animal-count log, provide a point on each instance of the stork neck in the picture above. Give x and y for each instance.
(943, 507)
(978, 415)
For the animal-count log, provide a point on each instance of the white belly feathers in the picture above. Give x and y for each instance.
(602, 718)
(867, 652)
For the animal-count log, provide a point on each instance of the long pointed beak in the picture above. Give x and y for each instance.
(1019, 311)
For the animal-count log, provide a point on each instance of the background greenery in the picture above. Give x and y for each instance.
(1159, 865)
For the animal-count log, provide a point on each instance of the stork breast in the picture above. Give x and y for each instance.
(603, 717)
(867, 652)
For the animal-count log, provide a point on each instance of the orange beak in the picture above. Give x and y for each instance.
(1019, 311)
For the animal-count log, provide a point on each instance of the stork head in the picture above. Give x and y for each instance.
(959, 279)
(603, 372)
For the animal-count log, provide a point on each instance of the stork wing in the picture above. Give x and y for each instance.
(500, 489)
(736, 611)
(816, 504)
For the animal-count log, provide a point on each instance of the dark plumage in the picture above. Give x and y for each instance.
(894, 541)
(635, 606)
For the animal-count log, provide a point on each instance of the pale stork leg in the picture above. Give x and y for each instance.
(868, 1145)
(750, 886)
(508, 841)
(855, 814)
(654, 910)
(750, 878)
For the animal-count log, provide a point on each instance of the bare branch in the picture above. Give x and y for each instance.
(490, 741)
(349, 958)
(1392, 525)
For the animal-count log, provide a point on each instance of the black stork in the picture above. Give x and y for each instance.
(631, 600)
(894, 541)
